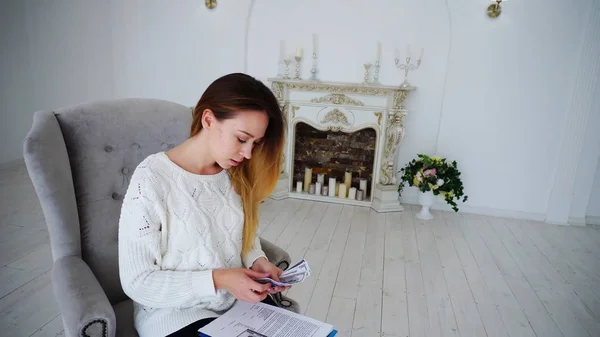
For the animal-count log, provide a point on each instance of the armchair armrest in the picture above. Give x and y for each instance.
(83, 304)
(281, 259)
(275, 254)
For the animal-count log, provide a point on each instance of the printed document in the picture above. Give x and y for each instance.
(263, 320)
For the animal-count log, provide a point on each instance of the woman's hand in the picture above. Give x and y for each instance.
(239, 282)
(262, 265)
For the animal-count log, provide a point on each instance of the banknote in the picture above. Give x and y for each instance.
(294, 275)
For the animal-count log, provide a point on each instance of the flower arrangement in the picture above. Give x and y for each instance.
(436, 175)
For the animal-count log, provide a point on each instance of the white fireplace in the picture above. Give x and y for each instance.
(343, 109)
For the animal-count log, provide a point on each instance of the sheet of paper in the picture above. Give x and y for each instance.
(262, 320)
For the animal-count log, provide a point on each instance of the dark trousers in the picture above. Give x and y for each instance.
(192, 329)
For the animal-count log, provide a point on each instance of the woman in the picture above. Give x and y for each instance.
(187, 232)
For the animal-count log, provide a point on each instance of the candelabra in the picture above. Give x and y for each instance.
(376, 76)
(367, 68)
(298, 60)
(313, 70)
(407, 66)
(287, 62)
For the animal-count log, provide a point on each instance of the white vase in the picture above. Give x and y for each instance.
(426, 200)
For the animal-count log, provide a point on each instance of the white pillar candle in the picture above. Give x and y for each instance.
(311, 189)
(378, 51)
(332, 187)
(318, 188)
(325, 190)
(342, 192)
(299, 52)
(321, 178)
(307, 178)
(352, 193)
(314, 40)
(360, 195)
(363, 185)
(348, 181)
(299, 187)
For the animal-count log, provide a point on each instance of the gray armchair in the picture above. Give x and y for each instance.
(80, 159)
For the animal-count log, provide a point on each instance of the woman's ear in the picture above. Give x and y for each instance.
(208, 117)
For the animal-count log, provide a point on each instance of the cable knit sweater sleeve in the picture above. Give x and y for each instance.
(140, 251)
(254, 253)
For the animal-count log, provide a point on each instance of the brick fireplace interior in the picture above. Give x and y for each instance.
(333, 153)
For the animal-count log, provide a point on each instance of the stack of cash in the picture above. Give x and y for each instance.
(294, 275)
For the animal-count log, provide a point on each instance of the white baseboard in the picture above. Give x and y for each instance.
(592, 220)
(501, 213)
(577, 221)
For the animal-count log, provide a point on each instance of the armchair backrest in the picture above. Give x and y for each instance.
(80, 160)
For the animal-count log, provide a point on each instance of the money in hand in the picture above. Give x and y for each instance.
(294, 275)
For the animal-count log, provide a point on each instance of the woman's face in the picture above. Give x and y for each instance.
(232, 140)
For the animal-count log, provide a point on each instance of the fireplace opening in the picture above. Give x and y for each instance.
(333, 154)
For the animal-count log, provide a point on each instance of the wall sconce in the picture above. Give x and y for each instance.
(494, 10)
(210, 4)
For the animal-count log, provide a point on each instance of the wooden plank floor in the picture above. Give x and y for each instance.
(373, 274)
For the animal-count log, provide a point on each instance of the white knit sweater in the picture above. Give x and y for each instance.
(175, 228)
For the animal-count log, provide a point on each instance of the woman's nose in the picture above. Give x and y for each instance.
(247, 151)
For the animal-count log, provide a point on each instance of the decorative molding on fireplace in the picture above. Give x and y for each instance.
(337, 99)
(379, 114)
(394, 134)
(346, 107)
(335, 116)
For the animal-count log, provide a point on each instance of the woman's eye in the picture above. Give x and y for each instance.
(241, 140)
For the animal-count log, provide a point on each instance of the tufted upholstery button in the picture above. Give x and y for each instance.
(108, 148)
(125, 170)
(115, 196)
(135, 146)
(164, 146)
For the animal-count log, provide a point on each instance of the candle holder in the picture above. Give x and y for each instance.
(367, 68)
(313, 70)
(287, 62)
(407, 66)
(298, 61)
(376, 77)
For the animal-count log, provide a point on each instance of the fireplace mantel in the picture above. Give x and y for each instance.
(346, 107)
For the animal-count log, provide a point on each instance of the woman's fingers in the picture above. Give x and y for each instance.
(276, 273)
(257, 297)
(259, 287)
(255, 274)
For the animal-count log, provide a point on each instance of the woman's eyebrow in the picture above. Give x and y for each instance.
(249, 134)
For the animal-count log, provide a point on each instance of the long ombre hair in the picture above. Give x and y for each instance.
(253, 179)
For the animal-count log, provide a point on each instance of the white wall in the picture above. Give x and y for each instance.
(593, 207)
(505, 100)
(590, 181)
(174, 51)
(491, 93)
(15, 80)
(54, 53)
(586, 194)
